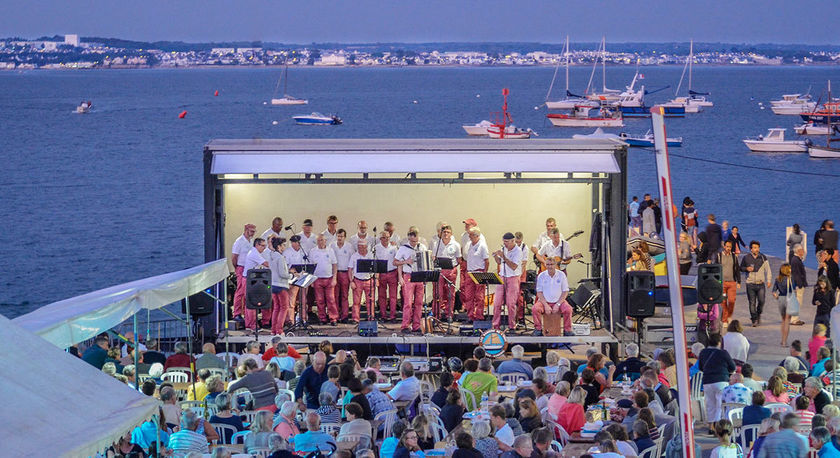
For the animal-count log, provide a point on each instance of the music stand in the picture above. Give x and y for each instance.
(444, 263)
(371, 266)
(486, 279)
(304, 281)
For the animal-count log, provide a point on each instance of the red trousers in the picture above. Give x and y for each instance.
(359, 287)
(520, 303)
(442, 308)
(412, 303)
(730, 288)
(472, 298)
(507, 294)
(325, 298)
(239, 295)
(565, 310)
(388, 291)
(342, 291)
(279, 310)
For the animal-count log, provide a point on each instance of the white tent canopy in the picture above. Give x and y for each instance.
(73, 320)
(58, 405)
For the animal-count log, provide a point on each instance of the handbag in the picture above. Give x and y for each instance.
(792, 305)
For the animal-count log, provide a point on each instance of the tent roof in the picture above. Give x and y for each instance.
(412, 155)
(57, 404)
(73, 320)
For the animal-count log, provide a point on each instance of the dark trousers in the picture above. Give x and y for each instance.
(755, 296)
(824, 319)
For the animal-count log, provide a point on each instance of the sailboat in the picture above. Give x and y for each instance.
(571, 100)
(286, 99)
(503, 127)
(606, 95)
(826, 151)
(695, 101)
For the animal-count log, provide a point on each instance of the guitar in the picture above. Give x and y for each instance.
(559, 260)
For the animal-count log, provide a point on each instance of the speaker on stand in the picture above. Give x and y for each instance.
(258, 292)
(709, 295)
(639, 300)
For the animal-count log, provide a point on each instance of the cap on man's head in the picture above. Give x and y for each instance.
(507, 236)
(471, 222)
(294, 239)
(307, 222)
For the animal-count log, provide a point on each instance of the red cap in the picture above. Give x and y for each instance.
(471, 222)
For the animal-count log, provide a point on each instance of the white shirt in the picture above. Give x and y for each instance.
(386, 253)
(342, 254)
(736, 345)
(241, 247)
(561, 250)
(515, 255)
(252, 260)
(475, 256)
(433, 243)
(465, 240)
(323, 260)
(329, 237)
(552, 287)
(354, 241)
(394, 239)
(405, 253)
(542, 240)
(451, 250)
(293, 257)
(352, 265)
(308, 243)
(268, 233)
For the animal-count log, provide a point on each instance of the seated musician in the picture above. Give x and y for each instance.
(552, 289)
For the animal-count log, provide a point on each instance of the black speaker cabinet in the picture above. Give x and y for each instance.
(709, 283)
(200, 304)
(258, 289)
(368, 328)
(640, 301)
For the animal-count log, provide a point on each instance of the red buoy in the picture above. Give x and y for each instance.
(216, 93)
(183, 114)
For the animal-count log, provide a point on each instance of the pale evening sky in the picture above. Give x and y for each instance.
(548, 21)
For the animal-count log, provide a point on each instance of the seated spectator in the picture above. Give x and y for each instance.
(775, 391)
(749, 382)
(407, 444)
(389, 445)
(647, 416)
(215, 385)
(541, 387)
(96, 354)
(408, 388)
(425, 437)
(786, 442)
(598, 363)
(522, 448)
(768, 426)
(187, 439)
(818, 420)
(817, 342)
(331, 386)
(453, 412)
(631, 368)
(736, 391)
(504, 434)
(588, 383)
(113, 358)
(209, 360)
(755, 413)
(356, 425)
(198, 391)
(300, 366)
(180, 358)
(171, 409)
(641, 436)
(552, 366)
(819, 398)
(669, 369)
(150, 432)
(822, 442)
(262, 436)
(355, 391)
(252, 352)
(529, 416)
(791, 388)
(796, 352)
(455, 366)
(589, 353)
(735, 343)
(379, 401)
(727, 448)
(466, 446)
(152, 355)
(831, 411)
(328, 411)
(484, 441)
(470, 366)
(481, 382)
(373, 364)
(313, 439)
(515, 365)
(823, 355)
(696, 348)
(284, 422)
(801, 404)
(622, 441)
(542, 439)
(510, 417)
(571, 416)
(439, 396)
(224, 415)
(556, 401)
(282, 358)
(261, 385)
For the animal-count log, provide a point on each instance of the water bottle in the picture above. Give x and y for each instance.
(484, 401)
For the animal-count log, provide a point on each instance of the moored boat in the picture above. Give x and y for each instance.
(580, 118)
(644, 112)
(828, 113)
(809, 128)
(317, 119)
(695, 101)
(599, 134)
(774, 142)
(84, 107)
(503, 127)
(478, 129)
(286, 99)
(646, 140)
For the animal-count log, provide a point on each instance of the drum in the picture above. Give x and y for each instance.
(423, 261)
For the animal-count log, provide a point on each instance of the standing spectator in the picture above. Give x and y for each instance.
(657, 216)
(684, 253)
(757, 267)
(796, 237)
(824, 299)
(701, 249)
(714, 235)
(735, 343)
(785, 288)
(797, 273)
(828, 267)
(635, 219)
(649, 222)
(731, 279)
(261, 385)
(785, 443)
(689, 219)
(716, 365)
(818, 245)
(829, 238)
(724, 227)
(311, 380)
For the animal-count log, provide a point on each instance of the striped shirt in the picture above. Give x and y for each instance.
(260, 384)
(188, 441)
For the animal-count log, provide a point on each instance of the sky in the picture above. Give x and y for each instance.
(366, 21)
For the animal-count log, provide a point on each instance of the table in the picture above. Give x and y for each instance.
(576, 449)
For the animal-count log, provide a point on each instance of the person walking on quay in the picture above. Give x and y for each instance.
(796, 237)
(824, 299)
(685, 253)
(737, 241)
(731, 278)
(714, 235)
(689, 219)
(784, 291)
(797, 274)
(758, 279)
(635, 217)
(818, 241)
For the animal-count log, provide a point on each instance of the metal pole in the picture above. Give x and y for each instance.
(227, 331)
(136, 357)
(680, 349)
(189, 344)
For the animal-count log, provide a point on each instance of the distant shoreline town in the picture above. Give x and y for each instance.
(73, 52)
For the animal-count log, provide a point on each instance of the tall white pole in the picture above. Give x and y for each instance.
(663, 170)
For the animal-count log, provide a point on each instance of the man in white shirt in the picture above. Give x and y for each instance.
(240, 250)
(509, 259)
(331, 232)
(361, 234)
(384, 251)
(412, 292)
(342, 251)
(469, 223)
(255, 260)
(550, 224)
(325, 270)
(436, 238)
(476, 259)
(361, 282)
(280, 277)
(552, 290)
(294, 256)
(393, 237)
(556, 248)
(408, 388)
(275, 229)
(307, 237)
(520, 304)
(446, 248)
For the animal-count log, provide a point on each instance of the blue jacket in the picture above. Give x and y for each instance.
(310, 384)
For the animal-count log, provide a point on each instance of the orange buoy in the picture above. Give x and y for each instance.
(216, 93)
(183, 114)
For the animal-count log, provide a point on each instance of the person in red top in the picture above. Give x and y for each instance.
(180, 358)
(571, 416)
(817, 340)
(272, 351)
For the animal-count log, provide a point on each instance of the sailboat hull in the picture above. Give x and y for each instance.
(562, 120)
(569, 104)
(288, 101)
(824, 152)
(644, 112)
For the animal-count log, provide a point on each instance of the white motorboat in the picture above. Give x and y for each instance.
(774, 142)
(599, 134)
(510, 132)
(788, 99)
(809, 128)
(317, 119)
(695, 101)
(479, 129)
(793, 104)
(647, 140)
(824, 152)
(631, 97)
(690, 105)
(571, 100)
(286, 99)
(580, 118)
(84, 107)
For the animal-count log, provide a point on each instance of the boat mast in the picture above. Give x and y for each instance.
(690, 62)
(567, 63)
(604, 62)
(592, 74)
(285, 79)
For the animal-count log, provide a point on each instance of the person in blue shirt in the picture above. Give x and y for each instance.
(821, 441)
(641, 436)
(314, 438)
(311, 380)
(389, 445)
(98, 352)
(755, 413)
(635, 219)
(516, 365)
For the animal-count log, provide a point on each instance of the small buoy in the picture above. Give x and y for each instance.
(265, 103)
(536, 108)
(760, 103)
(762, 107)
(414, 102)
(216, 94)
(478, 95)
(183, 114)
(274, 123)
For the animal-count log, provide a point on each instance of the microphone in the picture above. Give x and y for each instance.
(577, 233)
(289, 227)
(374, 231)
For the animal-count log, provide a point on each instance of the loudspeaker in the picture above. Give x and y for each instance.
(368, 328)
(258, 289)
(200, 304)
(640, 300)
(709, 283)
(582, 294)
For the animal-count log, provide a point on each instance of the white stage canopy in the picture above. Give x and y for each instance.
(73, 320)
(58, 405)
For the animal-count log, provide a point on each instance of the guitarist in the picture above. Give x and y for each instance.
(556, 248)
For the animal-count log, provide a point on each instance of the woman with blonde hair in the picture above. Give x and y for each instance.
(262, 436)
(782, 373)
(775, 391)
(783, 288)
(571, 416)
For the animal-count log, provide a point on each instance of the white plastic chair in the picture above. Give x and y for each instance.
(747, 435)
(698, 396)
(225, 431)
(223, 373)
(512, 378)
(779, 407)
(235, 439)
(426, 391)
(726, 407)
(248, 416)
(289, 393)
(175, 377)
(649, 452)
(735, 414)
(429, 408)
(469, 399)
(330, 428)
(438, 429)
(196, 406)
(230, 357)
(242, 393)
(556, 447)
(386, 418)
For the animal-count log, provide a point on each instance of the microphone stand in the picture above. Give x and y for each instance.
(436, 289)
(375, 277)
(504, 290)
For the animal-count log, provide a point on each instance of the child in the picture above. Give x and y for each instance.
(726, 449)
(824, 300)
(817, 341)
(389, 445)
